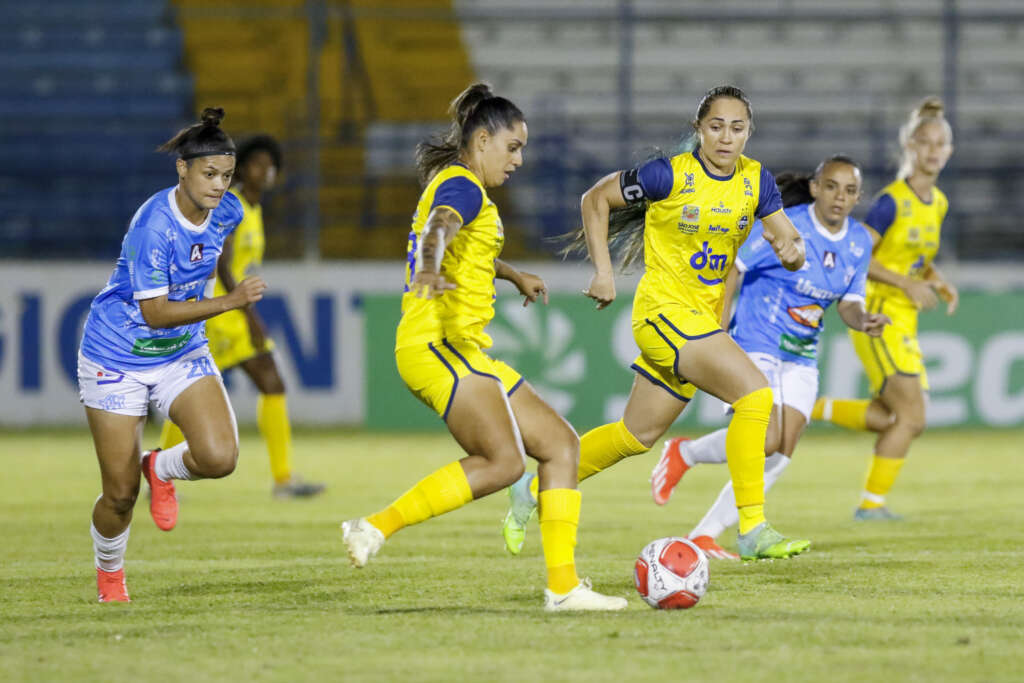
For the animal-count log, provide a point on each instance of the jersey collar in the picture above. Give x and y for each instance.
(708, 173)
(182, 221)
(825, 232)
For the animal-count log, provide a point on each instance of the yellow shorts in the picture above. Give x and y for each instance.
(432, 371)
(230, 343)
(896, 352)
(660, 336)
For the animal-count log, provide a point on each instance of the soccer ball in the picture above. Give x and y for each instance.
(671, 573)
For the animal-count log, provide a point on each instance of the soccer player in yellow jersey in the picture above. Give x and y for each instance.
(491, 411)
(695, 209)
(239, 338)
(905, 222)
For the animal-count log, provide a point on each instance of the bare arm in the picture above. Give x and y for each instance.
(732, 285)
(440, 229)
(596, 204)
(944, 288)
(529, 285)
(785, 240)
(158, 312)
(856, 318)
(921, 293)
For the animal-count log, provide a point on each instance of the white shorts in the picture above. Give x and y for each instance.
(129, 392)
(792, 384)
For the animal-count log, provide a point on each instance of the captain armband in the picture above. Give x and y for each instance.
(632, 190)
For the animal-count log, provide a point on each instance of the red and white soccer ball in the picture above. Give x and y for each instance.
(671, 573)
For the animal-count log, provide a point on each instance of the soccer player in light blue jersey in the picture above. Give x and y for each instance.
(778, 320)
(144, 341)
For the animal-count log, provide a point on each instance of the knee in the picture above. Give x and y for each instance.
(913, 422)
(121, 500)
(216, 459)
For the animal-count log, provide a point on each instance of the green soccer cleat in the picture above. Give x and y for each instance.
(765, 543)
(882, 514)
(521, 507)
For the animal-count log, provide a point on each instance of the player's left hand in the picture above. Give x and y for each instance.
(948, 293)
(790, 252)
(874, 323)
(532, 287)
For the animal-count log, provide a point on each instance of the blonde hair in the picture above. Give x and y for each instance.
(930, 110)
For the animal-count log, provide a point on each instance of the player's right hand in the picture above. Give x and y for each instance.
(248, 291)
(922, 294)
(601, 289)
(428, 285)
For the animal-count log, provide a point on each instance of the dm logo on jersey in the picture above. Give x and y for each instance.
(808, 316)
(691, 213)
(713, 262)
(829, 259)
(196, 253)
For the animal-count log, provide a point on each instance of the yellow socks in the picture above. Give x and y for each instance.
(559, 518)
(845, 412)
(272, 419)
(881, 476)
(445, 490)
(604, 446)
(744, 449)
(170, 435)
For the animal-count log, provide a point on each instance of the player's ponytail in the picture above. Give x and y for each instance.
(929, 110)
(201, 139)
(475, 107)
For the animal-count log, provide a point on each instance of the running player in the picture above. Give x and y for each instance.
(491, 411)
(778, 320)
(144, 340)
(239, 338)
(904, 223)
(693, 211)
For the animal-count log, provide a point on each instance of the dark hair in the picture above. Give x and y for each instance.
(258, 143)
(475, 107)
(795, 188)
(626, 224)
(201, 139)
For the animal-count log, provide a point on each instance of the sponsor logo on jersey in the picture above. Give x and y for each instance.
(907, 209)
(721, 208)
(688, 187)
(808, 316)
(688, 228)
(691, 213)
(748, 188)
(807, 288)
(705, 259)
(108, 377)
(195, 254)
(829, 259)
(718, 228)
(856, 250)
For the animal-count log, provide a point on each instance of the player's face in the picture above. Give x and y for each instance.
(723, 133)
(206, 179)
(502, 153)
(836, 191)
(931, 146)
(259, 172)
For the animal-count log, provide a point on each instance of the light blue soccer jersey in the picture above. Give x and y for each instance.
(162, 253)
(781, 312)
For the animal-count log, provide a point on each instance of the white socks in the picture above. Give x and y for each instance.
(708, 449)
(171, 465)
(723, 513)
(109, 551)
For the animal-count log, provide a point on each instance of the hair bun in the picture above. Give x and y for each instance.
(465, 104)
(212, 116)
(930, 107)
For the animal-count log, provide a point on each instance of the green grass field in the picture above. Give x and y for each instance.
(249, 588)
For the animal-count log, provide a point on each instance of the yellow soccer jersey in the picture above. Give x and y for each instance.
(910, 231)
(247, 245)
(695, 223)
(468, 263)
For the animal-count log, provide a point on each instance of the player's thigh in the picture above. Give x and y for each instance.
(903, 396)
(203, 413)
(262, 370)
(720, 367)
(481, 420)
(650, 410)
(546, 434)
(117, 439)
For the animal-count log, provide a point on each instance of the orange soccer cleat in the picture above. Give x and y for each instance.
(110, 586)
(163, 504)
(712, 549)
(669, 470)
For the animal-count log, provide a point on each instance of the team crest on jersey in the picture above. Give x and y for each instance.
(691, 213)
(908, 209)
(808, 316)
(829, 259)
(743, 222)
(856, 250)
(195, 254)
(687, 184)
(748, 188)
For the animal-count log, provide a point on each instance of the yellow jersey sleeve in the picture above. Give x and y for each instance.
(248, 243)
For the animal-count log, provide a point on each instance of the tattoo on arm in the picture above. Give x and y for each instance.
(438, 232)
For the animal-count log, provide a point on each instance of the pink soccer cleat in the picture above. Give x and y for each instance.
(163, 504)
(110, 586)
(712, 549)
(669, 470)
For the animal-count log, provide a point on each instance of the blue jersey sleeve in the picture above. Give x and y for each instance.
(881, 214)
(769, 200)
(147, 249)
(755, 253)
(461, 195)
(651, 180)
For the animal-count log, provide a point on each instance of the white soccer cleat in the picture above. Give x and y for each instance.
(362, 539)
(582, 599)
